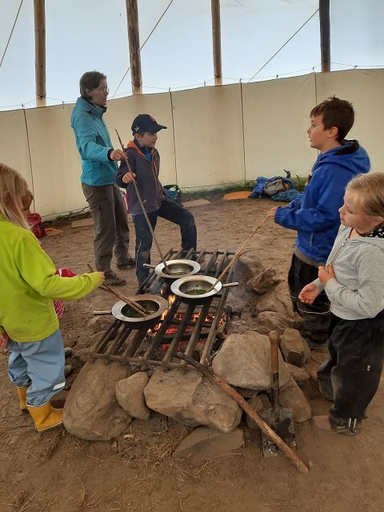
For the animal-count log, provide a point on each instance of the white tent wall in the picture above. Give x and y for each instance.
(365, 89)
(208, 136)
(207, 146)
(276, 117)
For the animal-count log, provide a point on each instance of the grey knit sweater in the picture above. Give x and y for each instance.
(357, 292)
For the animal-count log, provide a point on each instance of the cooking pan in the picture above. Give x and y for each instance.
(153, 304)
(195, 288)
(175, 269)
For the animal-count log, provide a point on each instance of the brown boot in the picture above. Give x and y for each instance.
(22, 393)
(45, 416)
(349, 427)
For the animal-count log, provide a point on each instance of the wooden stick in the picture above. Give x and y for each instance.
(142, 205)
(296, 461)
(236, 256)
(139, 309)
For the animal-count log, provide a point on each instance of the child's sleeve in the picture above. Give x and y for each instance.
(38, 270)
(367, 300)
(86, 134)
(327, 189)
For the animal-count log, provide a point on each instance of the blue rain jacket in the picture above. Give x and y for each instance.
(93, 143)
(314, 212)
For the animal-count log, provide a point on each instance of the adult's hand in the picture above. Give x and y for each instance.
(128, 177)
(309, 293)
(117, 154)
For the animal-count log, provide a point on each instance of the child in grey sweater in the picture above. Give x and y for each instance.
(354, 283)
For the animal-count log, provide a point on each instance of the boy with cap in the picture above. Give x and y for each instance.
(314, 214)
(144, 160)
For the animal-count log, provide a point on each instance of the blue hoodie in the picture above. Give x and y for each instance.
(93, 143)
(314, 213)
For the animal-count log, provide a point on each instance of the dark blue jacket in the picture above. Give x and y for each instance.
(145, 164)
(314, 213)
(93, 143)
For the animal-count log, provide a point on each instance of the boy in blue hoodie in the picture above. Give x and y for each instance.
(314, 213)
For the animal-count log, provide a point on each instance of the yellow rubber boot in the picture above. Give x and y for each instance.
(45, 416)
(22, 392)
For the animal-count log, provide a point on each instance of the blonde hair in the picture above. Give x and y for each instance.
(370, 190)
(12, 187)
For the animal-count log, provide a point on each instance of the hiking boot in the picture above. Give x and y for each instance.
(349, 427)
(111, 279)
(129, 263)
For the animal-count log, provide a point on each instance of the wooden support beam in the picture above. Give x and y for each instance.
(40, 59)
(134, 45)
(216, 39)
(325, 36)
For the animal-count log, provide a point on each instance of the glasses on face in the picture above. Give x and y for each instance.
(102, 89)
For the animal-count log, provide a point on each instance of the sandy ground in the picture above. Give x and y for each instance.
(55, 472)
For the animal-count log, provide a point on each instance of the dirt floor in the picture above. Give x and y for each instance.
(55, 472)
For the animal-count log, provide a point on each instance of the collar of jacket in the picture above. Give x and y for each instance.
(133, 145)
(88, 106)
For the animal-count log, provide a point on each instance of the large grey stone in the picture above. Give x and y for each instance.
(298, 374)
(91, 410)
(264, 281)
(190, 398)
(244, 361)
(276, 300)
(294, 348)
(205, 443)
(130, 395)
(268, 321)
(291, 397)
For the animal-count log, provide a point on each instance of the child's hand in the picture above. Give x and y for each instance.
(103, 276)
(3, 340)
(128, 177)
(272, 212)
(309, 293)
(326, 273)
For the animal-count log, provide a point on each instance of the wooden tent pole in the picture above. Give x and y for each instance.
(40, 69)
(325, 36)
(134, 45)
(216, 39)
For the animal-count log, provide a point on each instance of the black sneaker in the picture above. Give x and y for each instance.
(111, 279)
(129, 263)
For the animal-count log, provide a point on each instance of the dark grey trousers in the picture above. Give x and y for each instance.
(110, 225)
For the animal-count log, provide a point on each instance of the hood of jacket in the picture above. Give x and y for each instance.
(350, 156)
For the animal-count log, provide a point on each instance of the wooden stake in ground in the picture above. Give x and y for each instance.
(299, 464)
(143, 207)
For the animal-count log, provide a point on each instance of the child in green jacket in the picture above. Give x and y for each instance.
(29, 327)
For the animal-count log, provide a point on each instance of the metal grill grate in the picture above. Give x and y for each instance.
(183, 326)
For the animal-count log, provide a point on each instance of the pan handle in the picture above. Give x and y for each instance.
(229, 285)
(147, 265)
(274, 339)
(102, 312)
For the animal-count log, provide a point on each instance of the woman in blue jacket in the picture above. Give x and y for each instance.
(99, 170)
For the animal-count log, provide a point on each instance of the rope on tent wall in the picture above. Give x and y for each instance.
(285, 44)
(142, 46)
(10, 35)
